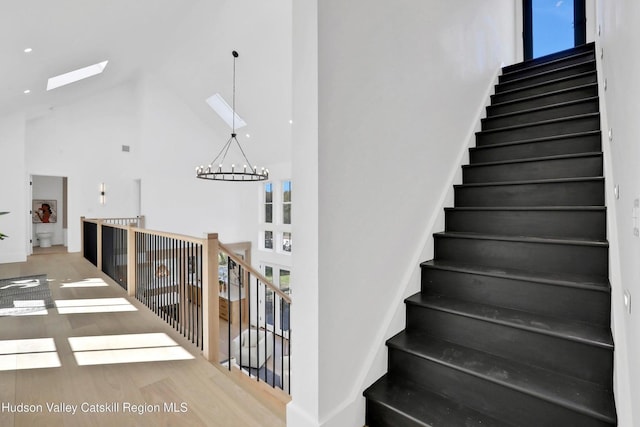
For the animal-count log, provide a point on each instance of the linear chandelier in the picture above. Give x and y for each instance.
(217, 170)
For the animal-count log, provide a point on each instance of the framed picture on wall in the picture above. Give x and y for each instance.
(44, 211)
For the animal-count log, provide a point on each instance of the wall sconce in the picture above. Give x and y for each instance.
(103, 198)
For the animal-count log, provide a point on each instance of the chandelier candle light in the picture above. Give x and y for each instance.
(216, 169)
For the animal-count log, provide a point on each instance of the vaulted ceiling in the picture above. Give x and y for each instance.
(185, 44)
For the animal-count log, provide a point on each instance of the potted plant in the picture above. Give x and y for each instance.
(2, 235)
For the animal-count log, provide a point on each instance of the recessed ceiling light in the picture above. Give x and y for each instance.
(290, 122)
(248, 136)
(76, 75)
(28, 50)
(27, 91)
(225, 112)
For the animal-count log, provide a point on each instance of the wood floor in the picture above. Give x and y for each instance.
(190, 392)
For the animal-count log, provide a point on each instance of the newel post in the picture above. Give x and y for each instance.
(210, 303)
(131, 260)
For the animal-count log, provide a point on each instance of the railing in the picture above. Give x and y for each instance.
(206, 290)
(258, 340)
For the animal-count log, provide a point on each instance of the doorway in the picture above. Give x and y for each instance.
(48, 212)
(553, 25)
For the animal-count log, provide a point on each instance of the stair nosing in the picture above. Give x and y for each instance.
(527, 66)
(541, 108)
(549, 82)
(528, 182)
(544, 94)
(542, 139)
(540, 123)
(601, 344)
(576, 407)
(542, 73)
(513, 275)
(524, 239)
(536, 159)
(526, 208)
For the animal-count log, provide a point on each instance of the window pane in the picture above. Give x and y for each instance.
(286, 214)
(268, 213)
(268, 272)
(286, 242)
(284, 280)
(268, 240)
(552, 26)
(286, 191)
(268, 192)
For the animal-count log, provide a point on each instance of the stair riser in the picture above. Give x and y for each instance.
(587, 362)
(585, 224)
(565, 83)
(575, 94)
(567, 110)
(378, 415)
(523, 295)
(581, 193)
(489, 397)
(581, 167)
(539, 130)
(525, 68)
(573, 145)
(528, 79)
(543, 257)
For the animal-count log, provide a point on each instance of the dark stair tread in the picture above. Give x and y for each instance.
(541, 86)
(544, 94)
(584, 333)
(532, 181)
(572, 393)
(541, 108)
(532, 140)
(424, 407)
(535, 159)
(594, 283)
(525, 239)
(558, 57)
(539, 123)
(586, 60)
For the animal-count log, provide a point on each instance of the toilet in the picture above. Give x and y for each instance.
(44, 235)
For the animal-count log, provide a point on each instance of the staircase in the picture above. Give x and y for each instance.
(512, 324)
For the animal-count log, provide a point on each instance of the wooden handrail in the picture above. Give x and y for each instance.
(191, 239)
(255, 272)
(200, 241)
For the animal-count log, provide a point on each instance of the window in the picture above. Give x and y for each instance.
(284, 280)
(268, 202)
(286, 202)
(268, 239)
(286, 242)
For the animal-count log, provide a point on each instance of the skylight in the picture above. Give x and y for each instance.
(76, 75)
(225, 112)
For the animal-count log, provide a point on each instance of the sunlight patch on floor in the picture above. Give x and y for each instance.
(94, 305)
(25, 308)
(28, 354)
(86, 283)
(129, 348)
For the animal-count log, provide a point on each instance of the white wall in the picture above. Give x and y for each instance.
(620, 66)
(83, 141)
(13, 189)
(49, 188)
(400, 87)
(173, 142)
